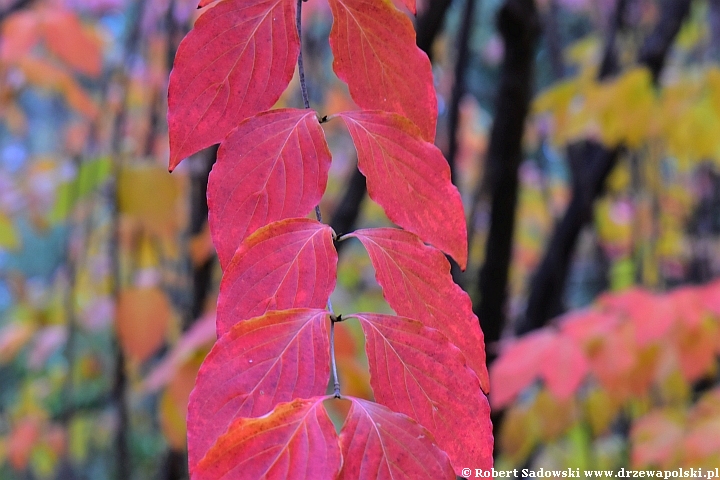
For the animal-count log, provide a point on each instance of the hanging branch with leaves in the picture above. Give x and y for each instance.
(264, 382)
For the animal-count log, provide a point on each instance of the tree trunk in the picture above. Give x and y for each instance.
(519, 24)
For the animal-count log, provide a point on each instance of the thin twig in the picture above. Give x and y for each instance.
(336, 379)
(318, 214)
(301, 69)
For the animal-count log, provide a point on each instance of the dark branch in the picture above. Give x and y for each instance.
(430, 23)
(519, 25)
(551, 31)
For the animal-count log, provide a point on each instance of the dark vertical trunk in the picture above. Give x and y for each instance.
(430, 23)
(551, 31)
(591, 164)
(519, 25)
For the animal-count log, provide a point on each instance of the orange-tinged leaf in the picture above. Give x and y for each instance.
(142, 318)
(258, 364)
(416, 283)
(48, 76)
(287, 264)
(20, 33)
(374, 51)
(13, 337)
(69, 39)
(410, 179)
(381, 444)
(22, 439)
(235, 63)
(273, 166)
(415, 370)
(296, 441)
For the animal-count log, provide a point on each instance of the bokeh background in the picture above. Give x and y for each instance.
(584, 137)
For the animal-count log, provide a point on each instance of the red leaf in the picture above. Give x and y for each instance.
(381, 444)
(415, 370)
(287, 264)
(410, 179)
(374, 51)
(416, 283)
(236, 62)
(518, 366)
(296, 441)
(273, 166)
(255, 366)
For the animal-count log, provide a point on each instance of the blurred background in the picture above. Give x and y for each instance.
(584, 137)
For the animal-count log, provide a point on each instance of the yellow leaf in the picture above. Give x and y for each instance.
(149, 193)
(172, 421)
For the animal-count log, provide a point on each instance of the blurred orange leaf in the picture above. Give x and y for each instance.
(143, 317)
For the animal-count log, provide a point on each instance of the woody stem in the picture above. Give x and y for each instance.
(318, 215)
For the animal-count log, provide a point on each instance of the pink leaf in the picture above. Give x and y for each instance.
(273, 166)
(296, 441)
(255, 366)
(415, 370)
(236, 62)
(410, 179)
(381, 444)
(564, 367)
(374, 51)
(416, 283)
(287, 264)
(518, 366)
